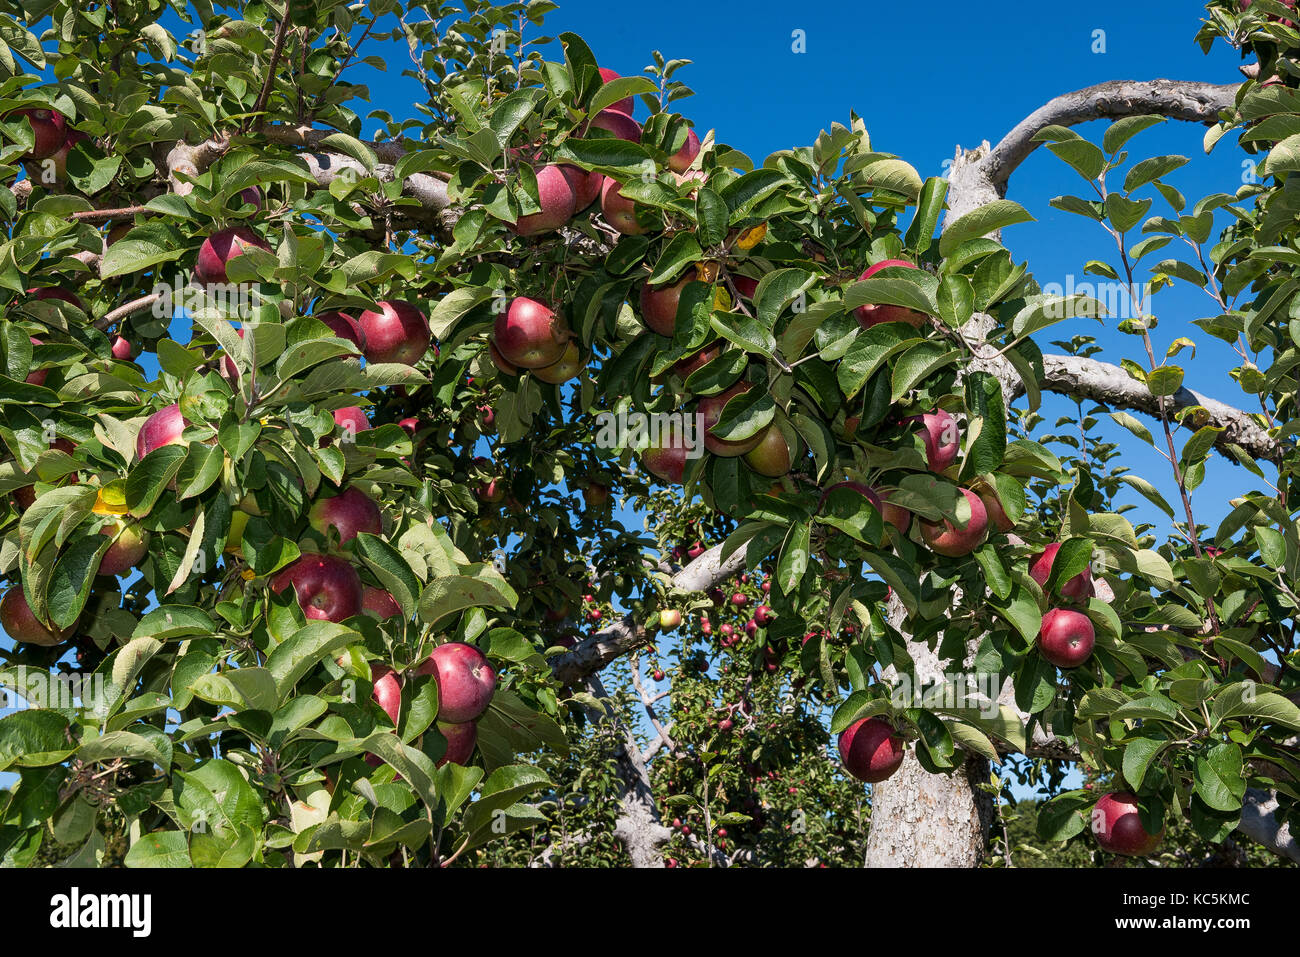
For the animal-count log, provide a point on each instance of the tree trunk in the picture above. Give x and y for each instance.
(919, 819)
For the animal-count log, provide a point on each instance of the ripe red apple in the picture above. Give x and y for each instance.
(625, 105)
(595, 495)
(1066, 638)
(744, 285)
(568, 367)
(50, 129)
(619, 210)
(121, 348)
(997, 514)
(942, 439)
(164, 427)
(763, 616)
(221, 247)
(130, 545)
(667, 460)
(249, 196)
(711, 407)
(22, 625)
(327, 587)
(498, 360)
(697, 360)
(771, 457)
(352, 419)
(345, 327)
(586, 185)
(659, 304)
(680, 161)
(349, 512)
(529, 335)
(739, 599)
(397, 332)
(1117, 826)
(60, 158)
(380, 603)
(43, 293)
(895, 515)
(557, 196)
(387, 690)
(461, 741)
(947, 539)
(1078, 588)
(465, 679)
(620, 124)
(725, 725)
(871, 750)
(872, 315)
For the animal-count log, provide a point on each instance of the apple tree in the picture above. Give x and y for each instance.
(312, 442)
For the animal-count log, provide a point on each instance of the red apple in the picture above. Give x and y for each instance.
(380, 603)
(498, 360)
(620, 124)
(221, 247)
(327, 587)
(250, 196)
(461, 741)
(620, 211)
(659, 304)
(942, 439)
(465, 679)
(696, 360)
(349, 512)
(22, 625)
(997, 514)
(121, 348)
(37, 376)
(1066, 638)
(595, 495)
(164, 427)
(1117, 826)
(557, 196)
(871, 750)
(744, 285)
(670, 618)
(529, 335)
(947, 539)
(680, 161)
(739, 599)
(344, 327)
(1078, 588)
(711, 407)
(667, 460)
(130, 545)
(43, 293)
(397, 332)
(569, 365)
(352, 419)
(60, 158)
(872, 315)
(763, 616)
(625, 105)
(50, 129)
(586, 185)
(387, 690)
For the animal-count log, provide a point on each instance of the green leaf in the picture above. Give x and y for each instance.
(987, 219)
(448, 595)
(1138, 755)
(1217, 776)
(159, 849)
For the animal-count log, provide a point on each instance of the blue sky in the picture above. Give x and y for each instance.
(927, 78)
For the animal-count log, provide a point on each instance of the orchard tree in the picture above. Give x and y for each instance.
(313, 442)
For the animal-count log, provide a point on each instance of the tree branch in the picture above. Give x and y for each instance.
(1110, 385)
(1188, 100)
(622, 636)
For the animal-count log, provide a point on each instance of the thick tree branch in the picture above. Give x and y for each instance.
(1110, 385)
(622, 636)
(1188, 100)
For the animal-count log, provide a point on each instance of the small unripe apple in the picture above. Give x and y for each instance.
(1117, 826)
(772, 456)
(870, 750)
(1066, 638)
(873, 315)
(569, 365)
(595, 495)
(670, 618)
